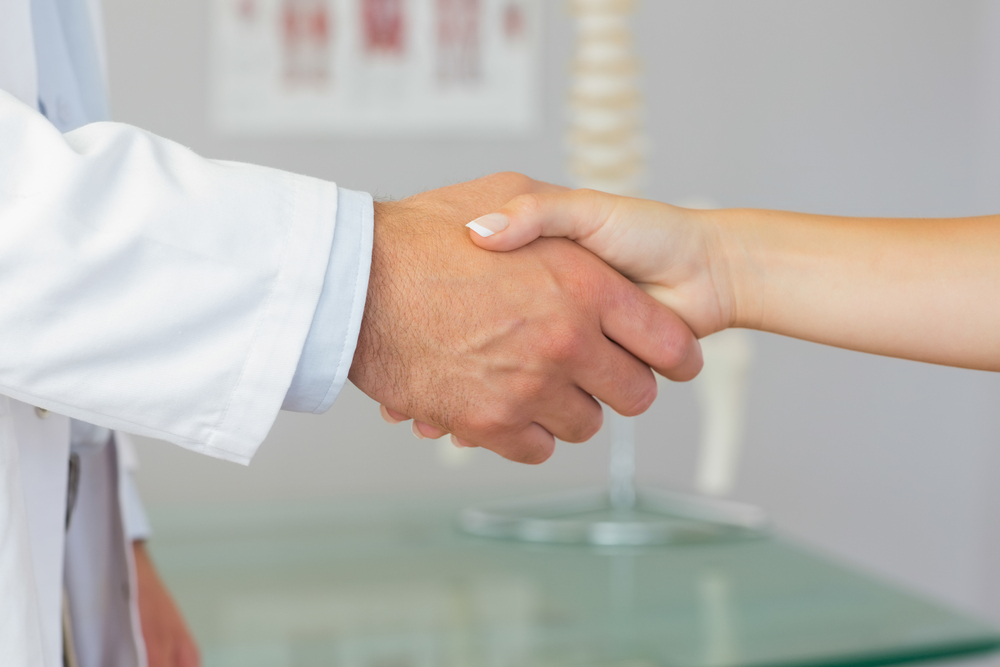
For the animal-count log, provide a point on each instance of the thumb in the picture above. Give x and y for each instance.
(573, 214)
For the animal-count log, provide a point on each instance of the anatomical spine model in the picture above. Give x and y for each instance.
(606, 143)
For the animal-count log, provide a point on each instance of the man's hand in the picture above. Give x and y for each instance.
(168, 641)
(506, 350)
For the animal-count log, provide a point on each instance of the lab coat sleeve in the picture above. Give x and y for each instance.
(329, 347)
(150, 290)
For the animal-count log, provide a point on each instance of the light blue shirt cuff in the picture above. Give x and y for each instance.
(329, 347)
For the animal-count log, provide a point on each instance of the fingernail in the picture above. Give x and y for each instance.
(455, 442)
(416, 432)
(386, 416)
(488, 225)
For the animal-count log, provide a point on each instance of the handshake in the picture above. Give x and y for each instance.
(511, 350)
(585, 294)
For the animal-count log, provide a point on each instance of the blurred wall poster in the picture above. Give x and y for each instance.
(370, 67)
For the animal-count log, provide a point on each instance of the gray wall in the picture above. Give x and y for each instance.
(834, 106)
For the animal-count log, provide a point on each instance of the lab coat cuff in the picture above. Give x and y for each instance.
(281, 334)
(329, 347)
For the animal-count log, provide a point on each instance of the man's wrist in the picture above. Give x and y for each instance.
(369, 347)
(330, 343)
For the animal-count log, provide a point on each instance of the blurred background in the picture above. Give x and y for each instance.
(887, 108)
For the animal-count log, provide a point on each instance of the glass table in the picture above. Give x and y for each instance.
(398, 585)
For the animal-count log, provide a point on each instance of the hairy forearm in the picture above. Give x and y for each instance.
(927, 290)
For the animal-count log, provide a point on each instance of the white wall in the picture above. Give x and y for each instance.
(834, 106)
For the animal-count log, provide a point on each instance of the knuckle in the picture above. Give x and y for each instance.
(641, 396)
(565, 343)
(537, 458)
(480, 425)
(536, 454)
(673, 348)
(527, 205)
(585, 427)
(595, 423)
(534, 387)
(520, 449)
(514, 181)
(697, 364)
(590, 283)
(491, 422)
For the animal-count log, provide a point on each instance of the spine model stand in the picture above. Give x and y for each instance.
(607, 152)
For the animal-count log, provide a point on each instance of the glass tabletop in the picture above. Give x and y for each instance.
(397, 585)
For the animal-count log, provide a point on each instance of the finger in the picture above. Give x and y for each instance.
(650, 331)
(618, 378)
(458, 442)
(392, 416)
(423, 431)
(532, 444)
(573, 214)
(576, 418)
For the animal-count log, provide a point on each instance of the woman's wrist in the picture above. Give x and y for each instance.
(734, 260)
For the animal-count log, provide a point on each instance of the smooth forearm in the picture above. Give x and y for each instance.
(927, 290)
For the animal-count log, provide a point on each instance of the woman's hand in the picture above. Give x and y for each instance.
(921, 289)
(675, 254)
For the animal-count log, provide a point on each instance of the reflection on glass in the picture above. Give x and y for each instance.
(395, 585)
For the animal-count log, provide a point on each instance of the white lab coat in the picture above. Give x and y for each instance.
(98, 571)
(144, 289)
